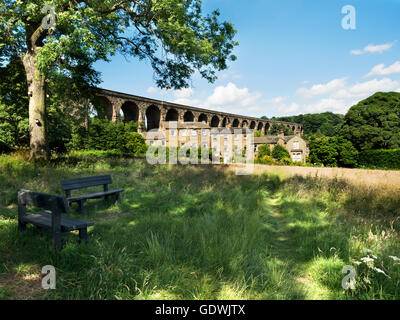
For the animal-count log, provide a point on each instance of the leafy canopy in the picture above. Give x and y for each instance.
(374, 123)
(172, 34)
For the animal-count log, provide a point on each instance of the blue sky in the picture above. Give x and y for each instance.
(293, 57)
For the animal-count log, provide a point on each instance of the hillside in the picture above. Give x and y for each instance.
(326, 123)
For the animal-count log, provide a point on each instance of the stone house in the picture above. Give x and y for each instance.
(295, 144)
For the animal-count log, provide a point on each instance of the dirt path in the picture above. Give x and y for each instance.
(284, 249)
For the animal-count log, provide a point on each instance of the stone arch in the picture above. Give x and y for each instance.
(252, 125)
(214, 121)
(172, 115)
(188, 116)
(267, 127)
(152, 117)
(130, 111)
(102, 108)
(203, 118)
(245, 124)
(224, 122)
(235, 123)
(260, 126)
(294, 129)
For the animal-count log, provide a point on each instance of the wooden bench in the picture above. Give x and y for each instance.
(53, 220)
(80, 183)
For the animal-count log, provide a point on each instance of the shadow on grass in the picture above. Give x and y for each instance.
(183, 233)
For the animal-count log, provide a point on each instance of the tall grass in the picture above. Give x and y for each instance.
(186, 232)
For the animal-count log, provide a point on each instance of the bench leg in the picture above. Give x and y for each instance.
(117, 198)
(83, 235)
(21, 226)
(57, 241)
(81, 208)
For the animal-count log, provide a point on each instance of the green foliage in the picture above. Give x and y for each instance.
(332, 151)
(277, 127)
(257, 133)
(264, 150)
(14, 131)
(374, 123)
(265, 159)
(280, 152)
(106, 135)
(385, 159)
(326, 124)
(135, 144)
(94, 30)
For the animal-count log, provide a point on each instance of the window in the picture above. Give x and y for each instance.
(163, 143)
(296, 145)
(151, 142)
(172, 132)
(194, 133)
(204, 132)
(182, 144)
(226, 137)
(183, 133)
(205, 145)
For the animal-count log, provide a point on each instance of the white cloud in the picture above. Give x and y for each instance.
(152, 90)
(380, 70)
(183, 93)
(365, 89)
(328, 104)
(322, 89)
(380, 48)
(231, 95)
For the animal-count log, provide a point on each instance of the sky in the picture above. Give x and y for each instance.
(294, 57)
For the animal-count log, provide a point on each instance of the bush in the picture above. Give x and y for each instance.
(385, 159)
(280, 152)
(264, 150)
(265, 160)
(106, 135)
(135, 144)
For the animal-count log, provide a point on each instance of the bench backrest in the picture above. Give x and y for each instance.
(80, 183)
(42, 200)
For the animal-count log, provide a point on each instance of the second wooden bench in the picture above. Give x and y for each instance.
(80, 183)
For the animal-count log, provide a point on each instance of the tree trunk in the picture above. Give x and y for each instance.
(37, 109)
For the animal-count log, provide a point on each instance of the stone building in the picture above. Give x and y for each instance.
(295, 144)
(224, 141)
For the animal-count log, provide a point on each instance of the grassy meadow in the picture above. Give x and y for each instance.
(201, 232)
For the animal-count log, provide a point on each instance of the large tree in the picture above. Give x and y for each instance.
(63, 38)
(374, 123)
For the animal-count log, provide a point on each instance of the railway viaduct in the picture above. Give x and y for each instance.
(151, 112)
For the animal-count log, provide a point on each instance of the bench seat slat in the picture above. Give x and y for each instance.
(94, 195)
(43, 219)
(80, 183)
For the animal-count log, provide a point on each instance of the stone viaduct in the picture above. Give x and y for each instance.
(151, 112)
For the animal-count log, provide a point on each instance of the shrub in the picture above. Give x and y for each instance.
(287, 161)
(264, 150)
(265, 159)
(135, 144)
(280, 152)
(106, 135)
(386, 159)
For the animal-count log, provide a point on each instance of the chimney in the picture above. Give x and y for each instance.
(281, 134)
